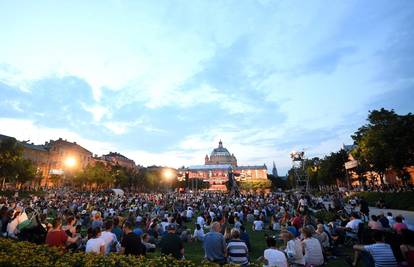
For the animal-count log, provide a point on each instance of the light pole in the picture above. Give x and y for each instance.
(70, 162)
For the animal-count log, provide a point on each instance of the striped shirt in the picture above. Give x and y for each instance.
(237, 252)
(382, 254)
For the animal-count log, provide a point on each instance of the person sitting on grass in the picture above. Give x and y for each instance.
(374, 224)
(258, 224)
(245, 237)
(399, 225)
(171, 244)
(312, 248)
(272, 256)
(56, 237)
(198, 233)
(322, 236)
(131, 242)
(116, 229)
(294, 249)
(407, 247)
(215, 245)
(378, 254)
(237, 251)
(145, 239)
(95, 244)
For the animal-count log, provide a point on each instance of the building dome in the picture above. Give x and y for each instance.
(221, 155)
(220, 151)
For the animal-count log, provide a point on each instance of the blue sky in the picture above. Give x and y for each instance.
(163, 81)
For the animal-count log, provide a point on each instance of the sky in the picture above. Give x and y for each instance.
(163, 81)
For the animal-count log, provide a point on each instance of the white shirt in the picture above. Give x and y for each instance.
(295, 252)
(109, 238)
(353, 224)
(11, 227)
(258, 225)
(313, 251)
(275, 258)
(201, 221)
(189, 213)
(199, 234)
(164, 225)
(94, 245)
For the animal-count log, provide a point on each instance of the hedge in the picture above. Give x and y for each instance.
(398, 201)
(24, 254)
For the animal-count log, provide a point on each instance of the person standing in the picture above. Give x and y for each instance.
(171, 243)
(215, 245)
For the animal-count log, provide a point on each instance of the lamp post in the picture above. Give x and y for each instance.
(70, 162)
(168, 175)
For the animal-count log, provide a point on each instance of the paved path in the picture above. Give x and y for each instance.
(408, 215)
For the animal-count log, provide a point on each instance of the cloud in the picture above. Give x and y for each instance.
(173, 79)
(28, 130)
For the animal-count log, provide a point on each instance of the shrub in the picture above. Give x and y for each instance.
(24, 254)
(399, 201)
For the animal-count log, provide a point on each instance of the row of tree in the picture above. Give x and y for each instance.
(386, 142)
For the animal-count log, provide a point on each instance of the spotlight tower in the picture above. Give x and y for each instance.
(299, 172)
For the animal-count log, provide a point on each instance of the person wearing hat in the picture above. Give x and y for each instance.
(171, 243)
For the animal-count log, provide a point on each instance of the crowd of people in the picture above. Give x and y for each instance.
(141, 223)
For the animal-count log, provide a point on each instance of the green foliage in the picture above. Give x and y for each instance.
(255, 185)
(24, 254)
(13, 167)
(277, 182)
(332, 167)
(387, 141)
(325, 171)
(399, 201)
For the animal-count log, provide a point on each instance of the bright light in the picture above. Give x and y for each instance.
(168, 174)
(70, 162)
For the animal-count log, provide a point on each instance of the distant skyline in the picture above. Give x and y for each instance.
(162, 82)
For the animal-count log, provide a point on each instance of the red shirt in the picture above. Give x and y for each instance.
(297, 222)
(399, 226)
(56, 238)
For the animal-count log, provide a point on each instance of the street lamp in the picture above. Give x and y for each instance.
(70, 162)
(168, 174)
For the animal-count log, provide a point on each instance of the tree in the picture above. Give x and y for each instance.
(386, 141)
(98, 175)
(331, 168)
(13, 167)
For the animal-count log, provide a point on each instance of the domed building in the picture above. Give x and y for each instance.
(218, 167)
(221, 156)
